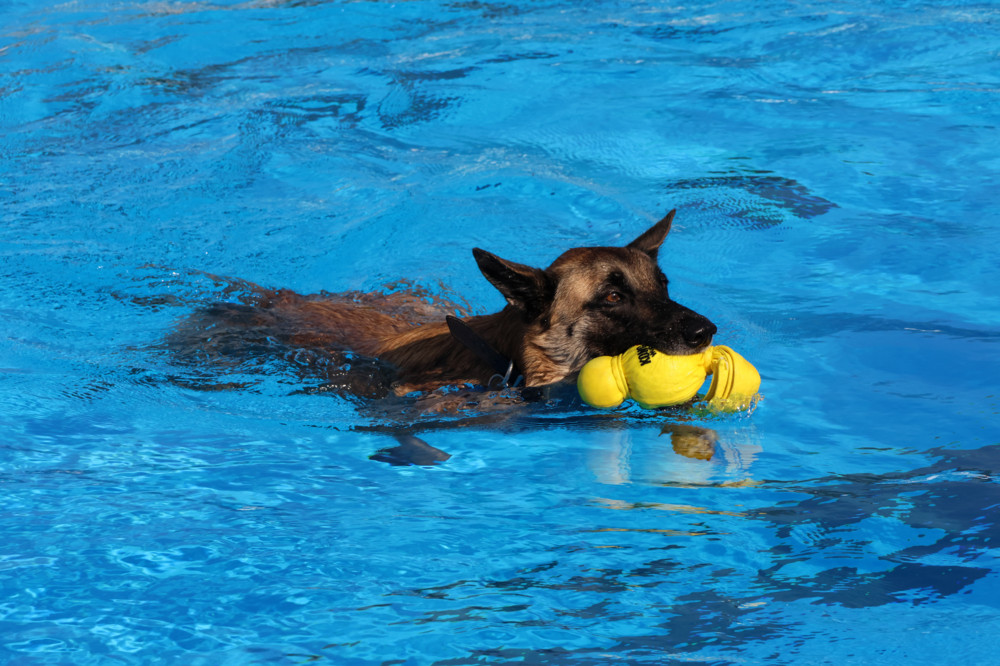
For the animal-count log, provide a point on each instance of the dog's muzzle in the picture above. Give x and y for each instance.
(697, 332)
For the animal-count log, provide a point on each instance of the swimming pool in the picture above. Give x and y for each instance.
(835, 169)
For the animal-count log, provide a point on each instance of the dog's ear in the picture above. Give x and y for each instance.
(527, 289)
(651, 239)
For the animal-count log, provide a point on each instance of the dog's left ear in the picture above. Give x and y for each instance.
(527, 289)
(651, 239)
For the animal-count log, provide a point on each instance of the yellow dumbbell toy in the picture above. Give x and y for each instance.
(654, 379)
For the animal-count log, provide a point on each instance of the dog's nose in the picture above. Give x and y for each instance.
(698, 333)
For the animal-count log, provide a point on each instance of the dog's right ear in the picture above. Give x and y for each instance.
(527, 289)
(651, 239)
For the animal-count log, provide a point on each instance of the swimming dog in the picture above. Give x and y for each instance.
(590, 301)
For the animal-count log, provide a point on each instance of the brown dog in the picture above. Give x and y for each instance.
(591, 301)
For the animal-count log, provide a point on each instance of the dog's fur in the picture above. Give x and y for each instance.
(591, 301)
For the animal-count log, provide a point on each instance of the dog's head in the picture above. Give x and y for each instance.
(595, 301)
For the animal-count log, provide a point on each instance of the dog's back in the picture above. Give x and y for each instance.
(589, 302)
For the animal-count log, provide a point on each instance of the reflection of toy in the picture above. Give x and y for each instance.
(654, 379)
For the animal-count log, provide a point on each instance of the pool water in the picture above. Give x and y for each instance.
(835, 169)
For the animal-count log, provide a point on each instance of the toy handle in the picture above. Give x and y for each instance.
(735, 382)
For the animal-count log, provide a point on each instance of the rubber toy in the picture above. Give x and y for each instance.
(654, 379)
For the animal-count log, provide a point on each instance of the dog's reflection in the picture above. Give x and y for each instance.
(410, 450)
(697, 455)
(691, 441)
(622, 455)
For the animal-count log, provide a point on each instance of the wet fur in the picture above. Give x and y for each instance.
(591, 301)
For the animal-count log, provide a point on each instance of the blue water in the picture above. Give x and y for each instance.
(835, 167)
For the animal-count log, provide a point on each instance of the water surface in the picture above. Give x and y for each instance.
(835, 170)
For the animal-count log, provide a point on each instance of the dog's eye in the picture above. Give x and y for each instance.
(613, 297)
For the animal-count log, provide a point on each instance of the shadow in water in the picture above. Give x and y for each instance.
(690, 607)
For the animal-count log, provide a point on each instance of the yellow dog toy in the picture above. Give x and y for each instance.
(654, 379)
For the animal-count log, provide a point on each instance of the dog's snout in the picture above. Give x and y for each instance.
(698, 332)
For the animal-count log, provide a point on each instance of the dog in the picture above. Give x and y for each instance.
(591, 301)
(404, 355)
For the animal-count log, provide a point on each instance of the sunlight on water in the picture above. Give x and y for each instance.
(835, 176)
